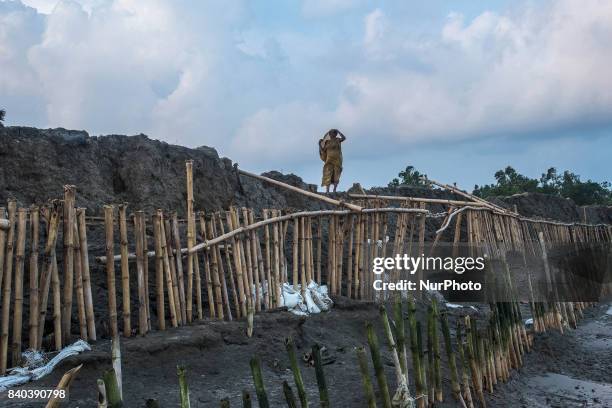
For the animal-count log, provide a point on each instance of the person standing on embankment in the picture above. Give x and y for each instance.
(330, 151)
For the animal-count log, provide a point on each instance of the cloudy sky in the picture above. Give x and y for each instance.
(456, 88)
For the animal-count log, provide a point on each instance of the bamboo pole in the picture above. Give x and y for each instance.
(238, 268)
(19, 266)
(378, 366)
(319, 247)
(309, 251)
(69, 200)
(183, 387)
(289, 397)
(229, 270)
(215, 275)
(320, 374)
(191, 228)
(167, 232)
(251, 260)
(89, 308)
(358, 244)
(111, 386)
(450, 354)
(176, 239)
(159, 272)
(125, 272)
(262, 396)
(57, 303)
(417, 362)
(145, 269)
(365, 377)
(296, 239)
(110, 269)
(269, 293)
(5, 226)
(260, 276)
(465, 380)
(339, 253)
(143, 324)
(116, 363)
(207, 273)
(331, 255)
(246, 267)
(34, 290)
(417, 200)
(78, 279)
(47, 272)
(349, 261)
(63, 385)
(276, 277)
(302, 239)
(297, 375)
(320, 197)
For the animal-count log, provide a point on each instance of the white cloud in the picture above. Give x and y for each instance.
(210, 73)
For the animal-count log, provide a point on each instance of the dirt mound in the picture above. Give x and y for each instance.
(148, 174)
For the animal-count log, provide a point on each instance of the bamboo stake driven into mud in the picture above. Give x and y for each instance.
(125, 271)
(68, 234)
(89, 308)
(19, 267)
(34, 289)
(143, 324)
(47, 272)
(159, 273)
(78, 279)
(191, 231)
(110, 269)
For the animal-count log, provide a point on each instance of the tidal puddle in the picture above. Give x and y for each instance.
(562, 391)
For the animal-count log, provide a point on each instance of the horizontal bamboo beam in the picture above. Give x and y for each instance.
(4, 224)
(470, 196)
(259, 224)
(415, 199)
(302, 191)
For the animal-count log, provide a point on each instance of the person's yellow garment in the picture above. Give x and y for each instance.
(333, 162)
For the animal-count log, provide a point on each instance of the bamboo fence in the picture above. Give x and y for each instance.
(246, 258)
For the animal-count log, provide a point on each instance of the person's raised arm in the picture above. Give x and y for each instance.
(342, 137)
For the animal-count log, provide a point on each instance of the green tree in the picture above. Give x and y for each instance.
(410, 176)
(2, 115)
(567, 185)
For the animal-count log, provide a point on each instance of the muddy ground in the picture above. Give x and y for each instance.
(570, 370)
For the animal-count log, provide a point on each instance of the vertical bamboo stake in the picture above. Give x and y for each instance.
(57, 303)
(78, 279)
(269, 292)
(417, 361)
(252, 256)
(145, 269)
(183, 387)
(230, 272)
(358, 244)
(111, 386)
(297, 375)
(276, 278)
(259, 271)
(465, 380)
(198, 282)
(319, 247)
(125, 272)
(215, 274)
(302, 258)
(167, 230)
(176, 239)
(89, 309)
(256, 261)
(331, 255)
(349, 261)
(143, 324)
(19, 266)
(69, 200)
(365, 377)
(116, 363)
(34, 291)
(45, 278)
(238, 267)
(159, 273)
(452, 364)
(250, 260)
(309, 254)
(378, 365)
(262, 396)
(190, 238)
(2, 245)
(296, 239)
(320, 374)
(245, 261)
(421, 245)
(340, 254)
(110, 269)
(7, 281)
(289, 397)
(207, 272)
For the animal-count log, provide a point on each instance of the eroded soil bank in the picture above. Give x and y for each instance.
(570, 370)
